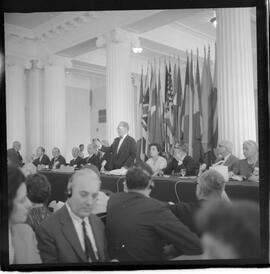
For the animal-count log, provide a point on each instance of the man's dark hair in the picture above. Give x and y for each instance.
(38, 188)
(81, 145)
(138, 177)
(15, 179)
(236, 224)
(158, 146)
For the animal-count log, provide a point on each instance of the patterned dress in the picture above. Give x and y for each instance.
(36, 215)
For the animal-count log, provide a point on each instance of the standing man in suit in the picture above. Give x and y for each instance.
(94, 158)
(73, 234)
(77, 161)
(139, 227)
(57, 160)
(123, 149)
(225, 157)
(14, 155)
(42, 158)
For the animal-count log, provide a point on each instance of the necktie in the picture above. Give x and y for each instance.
(89, 252)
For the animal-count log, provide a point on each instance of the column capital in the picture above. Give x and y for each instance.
(51, 60)
(11, 60)
(117, 36)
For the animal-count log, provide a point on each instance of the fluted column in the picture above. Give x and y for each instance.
(15, 101)
(119, 98)
(54, 103)
(236, 109)
(34, 107)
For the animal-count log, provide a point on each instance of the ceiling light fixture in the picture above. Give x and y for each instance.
(213, 20)
(137, 50)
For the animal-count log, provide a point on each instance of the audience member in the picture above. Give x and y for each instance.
(73, 234)
(14, 155)
(93, 156)
(225, 156)
(138, 227)
(58, 160)
(22, 240)
(39, 191)
(156, 162)
(28, 168)
(249, 167)
(230, 230)
(81, 148)
(41, 158)
(123, 149)
(210, 186)
(77, 161)
(181, 160)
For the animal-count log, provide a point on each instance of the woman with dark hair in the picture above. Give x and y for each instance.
(156, 162)
(22, 240)
(39, 191)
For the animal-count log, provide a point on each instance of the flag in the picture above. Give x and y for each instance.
(168, 109)
(206, 86)
(160, 110)
(144, 119)
(197, 117)
(177, 102)
(185, 107)
(214, 140)
(154, 130)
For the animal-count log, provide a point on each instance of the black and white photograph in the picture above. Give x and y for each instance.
(135, 138)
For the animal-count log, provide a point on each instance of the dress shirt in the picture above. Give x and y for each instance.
(77, 222)
(121, 141)
(221, 163)
(180, 162)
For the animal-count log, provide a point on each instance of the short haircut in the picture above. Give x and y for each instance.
(57, 149)
(76, 149)
(181, 145)
(42, 149)
(15, 143)
(124, 124)
(86, 170)
(81, 145)
(227, 144)
(15, 179)
(138, 177)
(211, 182)
(38, 188)
(158, 146)
(252, 144)
(92, 167)
(236, 224)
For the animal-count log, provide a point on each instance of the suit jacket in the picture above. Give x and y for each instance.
(79, 162)
(45, 160)
(25, 245)
(58, 241)
(232, 163)
(15, 157)
(61, 161)
(137, 228)
(188, 164)
(126, 154)
(185, 212)
(93, 160)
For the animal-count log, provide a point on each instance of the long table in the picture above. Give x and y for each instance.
(172, 189)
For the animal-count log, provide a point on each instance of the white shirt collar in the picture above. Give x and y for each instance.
(226, 158)
(73, 216)
(124, 137)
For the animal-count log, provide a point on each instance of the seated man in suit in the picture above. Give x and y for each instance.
(138, 227)
(73, 234)
(123, 149)
(225, 156)
(14, 156)
(210, 186)
(93, 156)
(57, 160)
(77, 161)
(181, 160)
(41, 157)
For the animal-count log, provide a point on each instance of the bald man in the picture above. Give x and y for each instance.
(14, 156)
